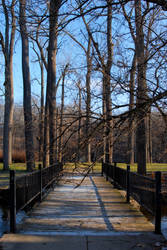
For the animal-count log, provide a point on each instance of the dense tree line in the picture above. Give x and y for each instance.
(69, 141)
(107, 59)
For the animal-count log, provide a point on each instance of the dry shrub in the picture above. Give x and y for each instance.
(18, 156)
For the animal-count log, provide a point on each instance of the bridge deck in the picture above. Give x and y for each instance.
(93, 207)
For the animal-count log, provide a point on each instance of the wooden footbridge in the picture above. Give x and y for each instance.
(79, 213)
(93, 207)
(84, 203)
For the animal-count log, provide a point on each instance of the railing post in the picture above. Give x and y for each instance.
(12, 202)
(158, 203)
(40, 181)
(128, 184)
(54, 172)
(114, 170)
(107, 170)
(102, 167)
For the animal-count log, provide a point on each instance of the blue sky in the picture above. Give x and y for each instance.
(17, 73)
(74, 54)
(69, 52)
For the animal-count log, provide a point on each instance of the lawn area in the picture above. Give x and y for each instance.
(21, 167)
(77, 168)
(18, 166)
(97, 167)
(15, 166)
(20, 170)
(151, 167)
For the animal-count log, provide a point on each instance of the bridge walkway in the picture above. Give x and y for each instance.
(91, 215)
(91, 206)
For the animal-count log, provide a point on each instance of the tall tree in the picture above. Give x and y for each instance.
(46, 133)
(79, 122)
(7, 48)
(41, 109)
(131, 132)
(60, 145)
(88, 100)
(142, 56)
(106, 71)
(41, 116)
(29, 142)
(89, 59)
(44, 113)
(141, 135)
(107, 75)
(51, 75)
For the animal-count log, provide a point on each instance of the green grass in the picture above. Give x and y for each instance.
(15, 166)
(21, 167)
(151, 167)
(97, 167)
(81, 167)
(18, 166)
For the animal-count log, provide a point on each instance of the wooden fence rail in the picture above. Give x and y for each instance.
(29, 188)
(146, 191)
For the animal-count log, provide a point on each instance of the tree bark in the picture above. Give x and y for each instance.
(60, 146)
(131, 133)
(9, 102)
(149, 138)
(88, 101)
(104, 118)
(51, 77)
(46, 134)
(41, 118)
(109, 123)
(29, 142)
(79, 123)
(141, 137)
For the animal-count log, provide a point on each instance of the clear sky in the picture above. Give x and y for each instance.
(17, 74)
(69, 52)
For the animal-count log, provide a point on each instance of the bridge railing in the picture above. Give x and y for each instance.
(146, 191)
(28, 188)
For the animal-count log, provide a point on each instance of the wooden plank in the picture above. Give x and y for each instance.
(95, 206)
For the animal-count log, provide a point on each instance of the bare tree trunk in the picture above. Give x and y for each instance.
(141, 139)
(149, 138)
(57, 133)
(60, 146)
(51, 76)
(131, 132)
(104, 118)
(46, 135)
(79, 122)
(109, 122)
(88, 94)
(107, 108)
(88, 101)
(27, 89)
(44, 110)
(41, 119)
(9, 103)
